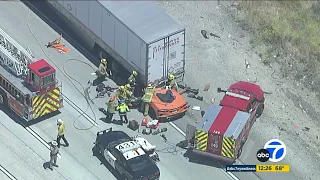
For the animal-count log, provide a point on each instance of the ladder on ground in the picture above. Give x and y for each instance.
(13, 56)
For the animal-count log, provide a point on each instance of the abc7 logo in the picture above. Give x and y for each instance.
(263, 155)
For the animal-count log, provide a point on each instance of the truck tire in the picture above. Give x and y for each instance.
(3, 99)
(260, 110)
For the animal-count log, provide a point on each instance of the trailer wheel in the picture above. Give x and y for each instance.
(260, 110)
(3, 99)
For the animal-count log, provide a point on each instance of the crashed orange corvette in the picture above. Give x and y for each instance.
(168, 104)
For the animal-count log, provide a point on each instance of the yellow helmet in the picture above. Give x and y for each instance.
(134, 73)
(171, 77)
(128, 86)
(103, 61)
(149, 85)
(121, 87)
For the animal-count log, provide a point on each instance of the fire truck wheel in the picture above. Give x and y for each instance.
(260, 110)
(124, 177)
(239, 153)
(3, 99)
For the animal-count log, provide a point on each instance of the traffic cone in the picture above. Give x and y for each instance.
(144, 121)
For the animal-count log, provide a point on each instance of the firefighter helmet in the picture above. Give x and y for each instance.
(121, 87)
(103, 61)
(134, 73)
(112, 98)
(128, 86)
(171, 77)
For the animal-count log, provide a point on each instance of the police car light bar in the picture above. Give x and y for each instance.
(237, 95)
(104, 131)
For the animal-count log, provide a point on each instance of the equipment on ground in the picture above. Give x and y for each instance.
(126, 155)
(133, 125)
(27, 87)
(146, 43)
(167, 104)
(224, 128)
(102, 90)
(190, 95)
(58, 46)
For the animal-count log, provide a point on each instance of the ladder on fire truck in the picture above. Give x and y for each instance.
(13, 56)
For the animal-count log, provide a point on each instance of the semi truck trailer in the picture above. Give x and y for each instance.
(132, 35)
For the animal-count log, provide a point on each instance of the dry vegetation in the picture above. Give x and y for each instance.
(289, 30)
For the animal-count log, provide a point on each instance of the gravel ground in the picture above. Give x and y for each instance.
(221, 61)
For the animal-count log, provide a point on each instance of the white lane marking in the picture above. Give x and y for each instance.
(7, 173)
(39, 139)
(184, 134)
(74, 106)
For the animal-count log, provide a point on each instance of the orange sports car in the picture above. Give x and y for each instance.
(167, 104)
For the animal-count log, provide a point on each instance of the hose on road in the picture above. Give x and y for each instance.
(70, 78)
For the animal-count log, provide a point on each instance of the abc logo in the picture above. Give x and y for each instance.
(263, 155)
(277, 150)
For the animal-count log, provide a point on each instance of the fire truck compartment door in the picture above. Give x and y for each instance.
(190, 132)
(228, 147)
(201, 140)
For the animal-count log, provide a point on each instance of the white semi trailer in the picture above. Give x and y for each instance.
(138, 35)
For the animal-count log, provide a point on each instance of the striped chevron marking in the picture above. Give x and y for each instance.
(201, 139)
(228, 147)
(46, 103)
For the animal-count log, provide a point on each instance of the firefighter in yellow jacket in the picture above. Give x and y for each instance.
(61, 132)
(121, 93)
(132, 78)
(123, 109)
(146, 99)
(171, 82)
(101, 72)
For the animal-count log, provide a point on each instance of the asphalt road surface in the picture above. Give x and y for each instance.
(25, 155)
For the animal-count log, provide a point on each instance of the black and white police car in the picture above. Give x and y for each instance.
(125, 155)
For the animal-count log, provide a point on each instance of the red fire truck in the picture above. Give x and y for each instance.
(224, 128)
(27, 87)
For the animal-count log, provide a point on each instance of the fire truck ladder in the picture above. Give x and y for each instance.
(13, 56)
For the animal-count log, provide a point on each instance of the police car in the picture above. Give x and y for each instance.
(125, 155)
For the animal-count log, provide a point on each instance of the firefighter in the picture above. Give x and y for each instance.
(102, 71)
(61, 132)
(132, 78)
(111, 107)
(171, 82)
(146, 99)
(123, 109)
(54, 150)
(128, 90)
(121, 93)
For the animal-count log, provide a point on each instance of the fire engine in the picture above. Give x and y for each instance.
(27, 87)
(224, 128)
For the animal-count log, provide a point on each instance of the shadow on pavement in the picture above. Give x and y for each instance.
(202, 160)
(24, 123)
(108, 166)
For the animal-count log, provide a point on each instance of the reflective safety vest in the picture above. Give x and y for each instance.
(147, 97)
(61, 129)
(123, 108)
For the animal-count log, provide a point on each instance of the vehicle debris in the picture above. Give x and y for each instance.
(206, 87)
(197, 108)
(206, 34)
(306, 129)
